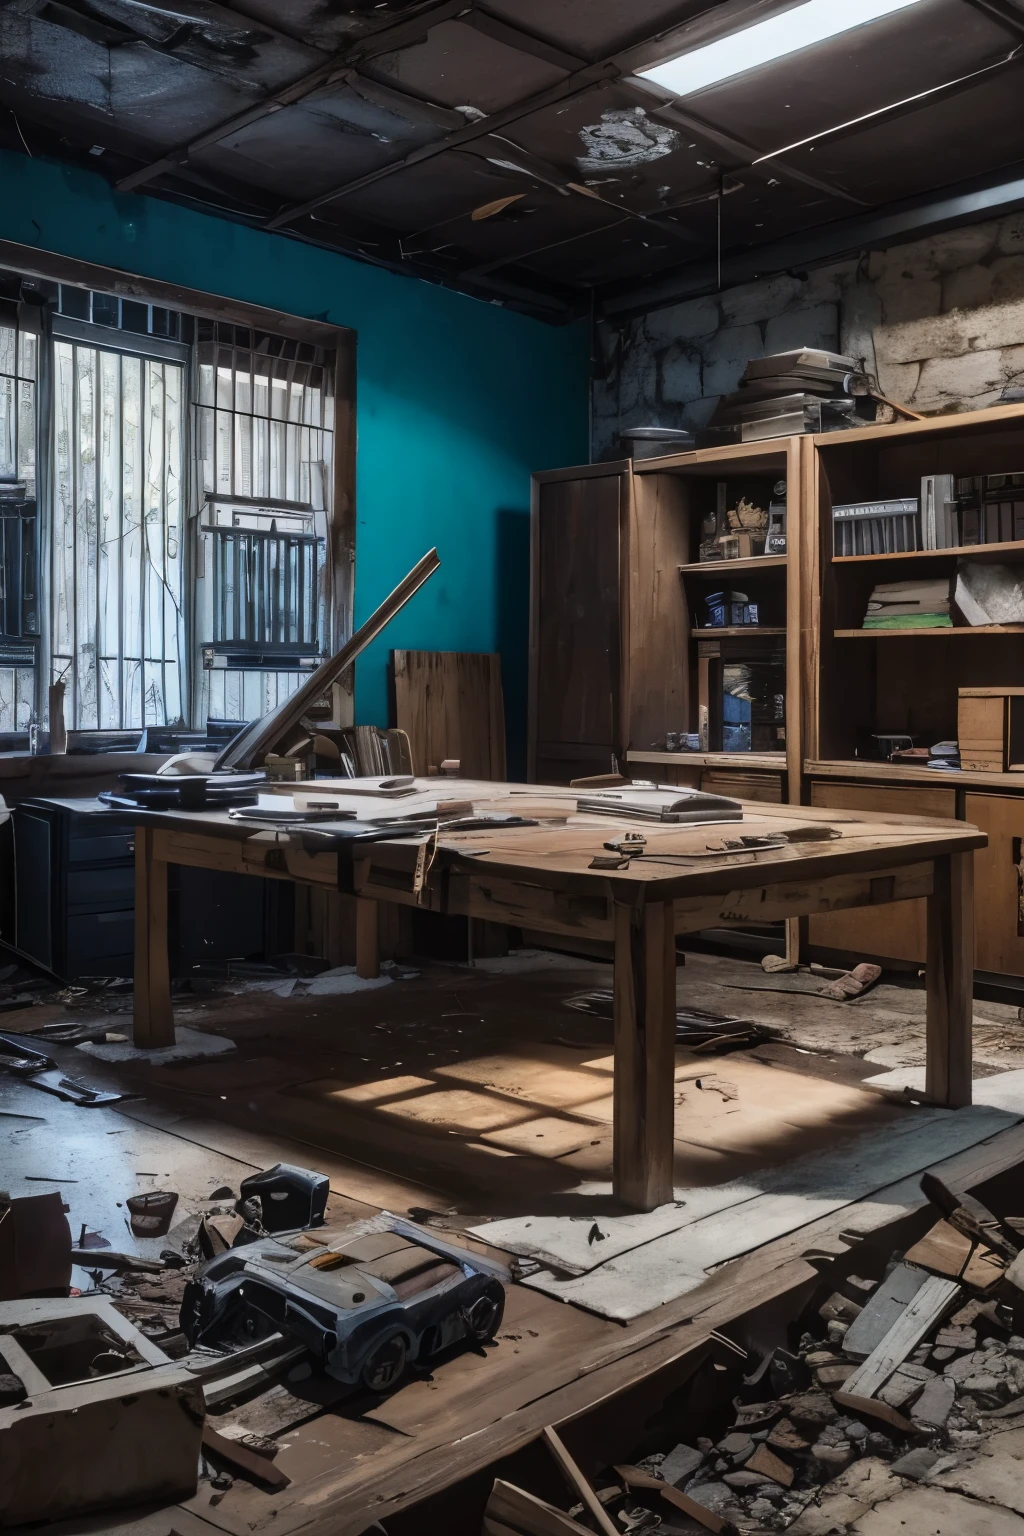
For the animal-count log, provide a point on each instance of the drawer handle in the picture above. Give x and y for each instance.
(131, 844)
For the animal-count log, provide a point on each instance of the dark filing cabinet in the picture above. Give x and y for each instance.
(73, 878)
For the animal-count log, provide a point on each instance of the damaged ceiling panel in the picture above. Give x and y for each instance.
(335, 133)
(507, 147)
(459, 66)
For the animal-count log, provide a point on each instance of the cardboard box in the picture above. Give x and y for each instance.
(990, 729)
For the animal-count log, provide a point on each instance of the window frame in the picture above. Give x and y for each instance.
(37, 268)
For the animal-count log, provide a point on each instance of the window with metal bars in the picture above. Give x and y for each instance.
(19, 524)
(177, 565)
(265, 452)
(117, 634)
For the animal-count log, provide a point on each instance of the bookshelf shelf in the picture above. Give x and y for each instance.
(731, 631)
(713, 569)
(931, 634)
(958, 552)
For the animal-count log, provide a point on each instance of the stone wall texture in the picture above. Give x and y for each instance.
(940, 322)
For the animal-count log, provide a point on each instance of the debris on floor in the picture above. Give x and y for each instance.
(897, 1378)
(23, 1060)
(696, 1028)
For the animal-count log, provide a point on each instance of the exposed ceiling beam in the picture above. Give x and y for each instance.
(897, 109)
(746, 153)
(1005, 15)
(397, 36)
(583, 80)
(709, 196)
(523, 42)
(873, 229)
(579, 80)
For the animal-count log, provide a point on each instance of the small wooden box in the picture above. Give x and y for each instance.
(990, 729)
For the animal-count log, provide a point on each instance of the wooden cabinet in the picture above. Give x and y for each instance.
(576, 653)
(998, 926)
(619, 612)
(896, 932)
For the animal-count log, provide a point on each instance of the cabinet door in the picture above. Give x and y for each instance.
(898, 931)
(576, 660)
(998, 876)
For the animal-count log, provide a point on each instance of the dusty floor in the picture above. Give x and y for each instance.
(456, 1094)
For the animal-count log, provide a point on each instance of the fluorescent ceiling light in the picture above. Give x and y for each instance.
(813, 22)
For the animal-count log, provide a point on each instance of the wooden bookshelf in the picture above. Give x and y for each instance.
(855, 692)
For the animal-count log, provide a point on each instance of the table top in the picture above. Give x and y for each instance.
(809, 842)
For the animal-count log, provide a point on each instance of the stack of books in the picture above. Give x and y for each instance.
(991, 508)
(909, 605)
(806, 390)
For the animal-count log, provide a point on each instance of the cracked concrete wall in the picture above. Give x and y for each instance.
(939, 321)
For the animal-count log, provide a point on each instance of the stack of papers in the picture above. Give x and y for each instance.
(909, 605)
(661, 802)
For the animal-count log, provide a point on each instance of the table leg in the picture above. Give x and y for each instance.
(645, 1007)
(950, 980)
(153, 1018)
(367, 938)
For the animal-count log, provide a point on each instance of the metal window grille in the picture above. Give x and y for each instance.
(19, 618)
(265, 448)
(116, 544)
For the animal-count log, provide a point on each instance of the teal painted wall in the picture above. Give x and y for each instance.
(457, 402)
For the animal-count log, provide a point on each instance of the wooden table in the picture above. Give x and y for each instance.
(539, 877)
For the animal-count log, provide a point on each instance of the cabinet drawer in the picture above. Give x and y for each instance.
(103, 889)
(105, 849)
(742, 785)
(898, 931)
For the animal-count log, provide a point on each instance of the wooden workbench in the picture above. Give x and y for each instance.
(538, 877)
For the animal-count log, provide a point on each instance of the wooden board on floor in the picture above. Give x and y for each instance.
(450, 705)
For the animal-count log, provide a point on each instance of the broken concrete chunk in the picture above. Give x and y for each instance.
(901, 1388)
(935, 1404)
(680, 1464)
(770, 1466)
(839, 1308)
(786, 1437)
(835, 1457)
(916, 1464)
(965, 1339)
(736, 1447)
(886, 1306)
(812, 1408)
(712, 1495)
(743, 1479)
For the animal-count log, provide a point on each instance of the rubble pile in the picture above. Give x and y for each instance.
(894, 1378)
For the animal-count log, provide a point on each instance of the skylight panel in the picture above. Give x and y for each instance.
(813, 22)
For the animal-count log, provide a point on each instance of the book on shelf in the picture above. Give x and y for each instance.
(819, 362)
(939, 523)
(876, 527)
(991, 508)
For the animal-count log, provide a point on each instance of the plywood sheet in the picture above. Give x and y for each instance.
(450, 705)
